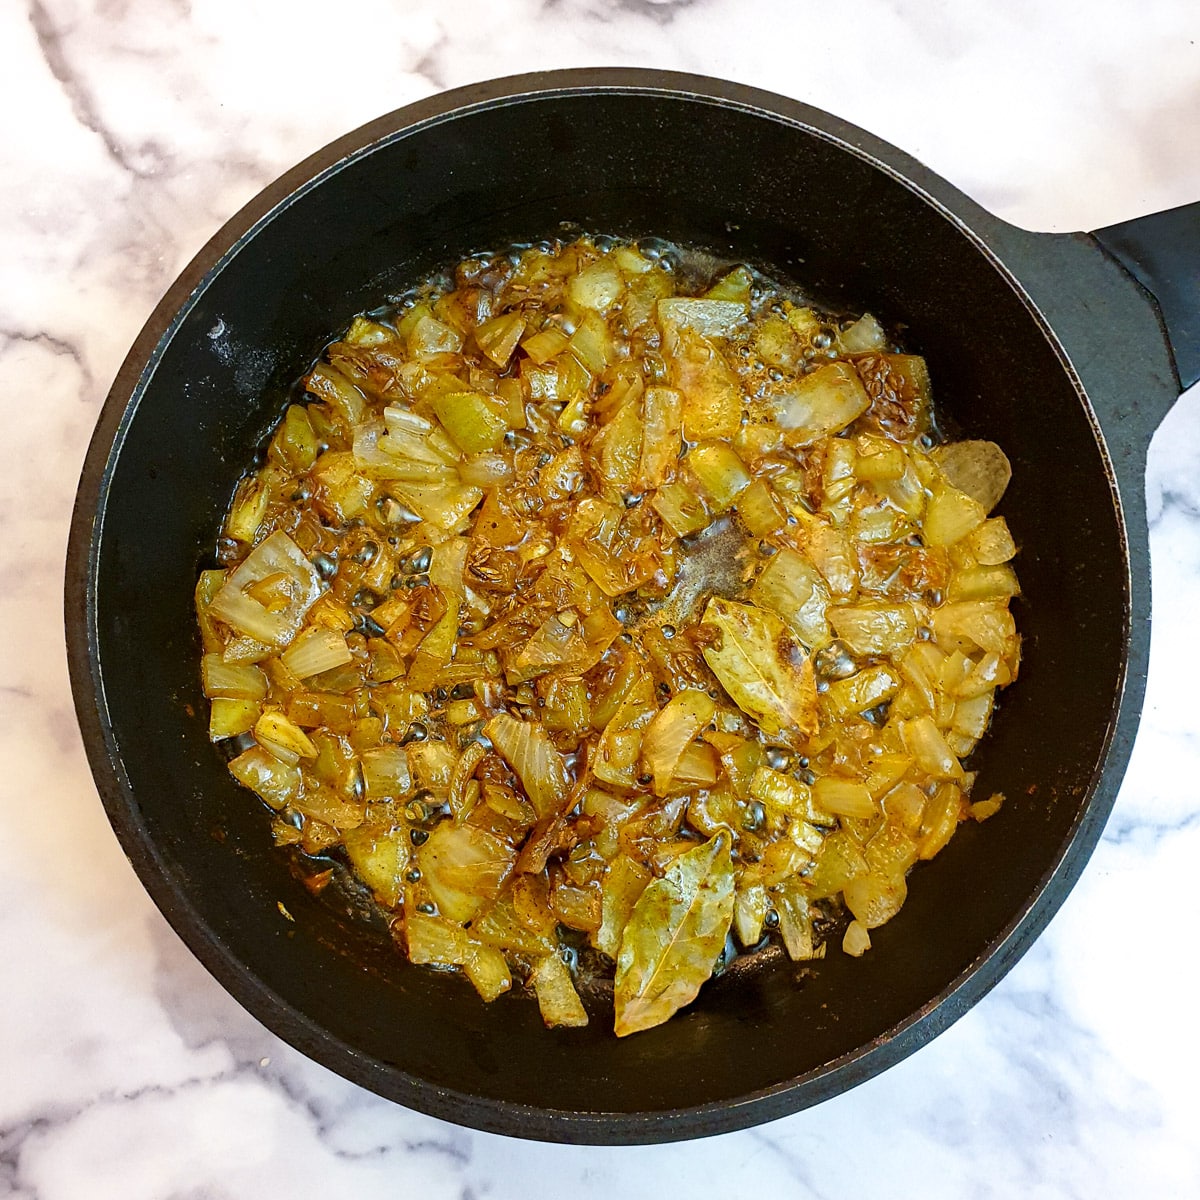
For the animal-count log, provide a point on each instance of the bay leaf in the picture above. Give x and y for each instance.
(673, 937)
(764, 668)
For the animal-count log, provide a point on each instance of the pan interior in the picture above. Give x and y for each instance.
(744, 186)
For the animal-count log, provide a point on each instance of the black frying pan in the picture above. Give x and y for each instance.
(1046, 344)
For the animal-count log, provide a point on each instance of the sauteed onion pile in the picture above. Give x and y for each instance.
(593, 610)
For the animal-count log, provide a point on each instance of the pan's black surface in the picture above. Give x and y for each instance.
(749, 176)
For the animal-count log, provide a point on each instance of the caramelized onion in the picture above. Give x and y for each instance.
(576, 597)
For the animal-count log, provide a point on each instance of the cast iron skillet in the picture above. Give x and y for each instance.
(1046, 344)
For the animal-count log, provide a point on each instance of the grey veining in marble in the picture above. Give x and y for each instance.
(133, 129)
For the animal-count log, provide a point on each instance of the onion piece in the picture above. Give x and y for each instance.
(544, 346)
(681, 508)
(624, 882)
(231, 718)
(712, 402)
(486, 470)
(248, 510)
(950, 516)
(447, 506)
(498, 337)
(619, 445)
(925, 743)
(876, 628)
(235, 681)
(557, 998)
(329, 384)
(429, 336)
(791, 586)
(722, 475)
(865, 335)
(749, 911)
(785, 794)
(760, 510)
(942, 815)
(861, 691)
(670, 731)
(278, 783)
(283, 738)
(379, 850)
(662, 417)
(844, 797)
(992, 543)
(270, 624)
(527, 748)
(856, 941)
(476, 422)
(979, 469)
(736, 285)
(463, 867)
(817, 405)
(597, 287)
(795, 920)
(385, 772)
(710, 317)
(316, 650)
(464, 769)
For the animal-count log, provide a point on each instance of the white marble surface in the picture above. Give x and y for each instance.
(132, 129)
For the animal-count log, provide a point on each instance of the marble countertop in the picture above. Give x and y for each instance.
(134, 129)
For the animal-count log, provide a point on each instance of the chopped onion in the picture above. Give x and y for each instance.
(545, 346)
(844, 797)
(817, 405)
(981, 470)
(663, 413)
(578, 598)
(464, 866)
(864, 335)
(925, 743)
(856, 941)
(992, 543)
(795, 920)
(682, 510)
(598, 286)
(283, 738)
(315, 650)
(951, 515)
(670, 731)
(486, 470)
(556, 994)
(713, 318)
(792, 587)
(528, 749)
(231, 718)
(236, 681)
(379, 851)
(278, 783)
(271, 625)
(722, 475)
(385, 772)
(498, 338)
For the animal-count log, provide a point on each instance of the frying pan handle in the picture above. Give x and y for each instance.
(1162, 252)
